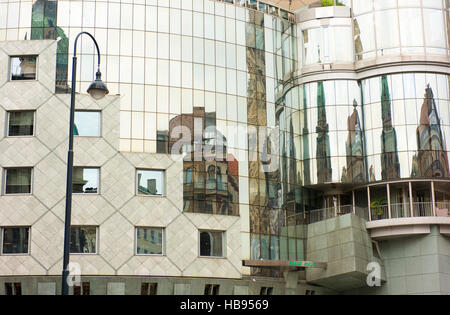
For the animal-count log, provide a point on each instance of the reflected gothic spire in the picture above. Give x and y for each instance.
(324, 171)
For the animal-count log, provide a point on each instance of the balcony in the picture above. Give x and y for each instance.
(397, 211)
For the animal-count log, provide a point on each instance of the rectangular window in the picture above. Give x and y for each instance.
(84, 289)
(13, 288)
(154, 246)
(20, 123)
(150, 182)
(15, 240)
(87, 124)
(23, 68)
(149, 288)
(18, 181)
(266, 291)
(211, 244)
(83, 240)
(85, 180)
(212, 289)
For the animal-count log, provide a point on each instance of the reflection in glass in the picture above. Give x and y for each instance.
(85, 180)
(390, 165)
(21, 123)
(18, 181)
(431, 160)
(15, 240)
(23, 68)
(324, 170)
(211, 244)
(149, 241)
(87, 124)
(83, 239)
(150, 182)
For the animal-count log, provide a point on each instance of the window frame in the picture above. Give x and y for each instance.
(97, 230)
(100, 124)
(2, 238)
(163, 240)
(98, 181)
(163, 184)
(5, 175)
(10, 79)
(8, 120)
(224, 254)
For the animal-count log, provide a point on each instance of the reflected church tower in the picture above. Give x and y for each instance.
(390, 165)
(355, 170)
(431, 160)
(324, 171)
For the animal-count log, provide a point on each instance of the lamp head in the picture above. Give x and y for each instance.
(98, 89)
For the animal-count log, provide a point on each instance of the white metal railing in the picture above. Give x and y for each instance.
(400, 210)
(423, 209)
(379, 212)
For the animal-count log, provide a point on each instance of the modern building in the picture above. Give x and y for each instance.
(245, 147)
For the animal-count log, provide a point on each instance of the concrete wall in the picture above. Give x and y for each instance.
(344, 243)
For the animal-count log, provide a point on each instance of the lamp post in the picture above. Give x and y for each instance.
(97, 90)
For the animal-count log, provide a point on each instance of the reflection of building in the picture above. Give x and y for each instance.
(211, 178)
(431, 159)
(324, 171)
(390, 165)
(355, 170)
(78, 180)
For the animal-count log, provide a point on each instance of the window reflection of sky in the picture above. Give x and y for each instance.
(87, 124)
(145, 176)
(91, 176)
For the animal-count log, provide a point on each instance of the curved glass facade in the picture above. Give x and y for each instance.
(386, 27)
(407, 126)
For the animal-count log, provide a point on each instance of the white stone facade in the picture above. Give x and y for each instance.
(116, 210)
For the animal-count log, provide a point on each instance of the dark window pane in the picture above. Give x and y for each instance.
(85, 180)
(86, 288)
(149, 245)
(76, 290)
(18, 181)
(15, 240)
(8, 288)
(207, 289)
(144, 289)
(23, 68)
(150, 183)
(21, 123)
(17, 288)
(153, 288)
(83, 240)
(211, 244)
(215, 290)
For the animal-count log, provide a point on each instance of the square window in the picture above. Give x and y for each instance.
(149, 288)
(152, 245)
(211, 289)
(85, 180)
(15, 240)
(13, 288)
(18, 181)
(20, 123)
(211, 244)
(83, 240)
(150, 182)
(23, 68)
(87, 124)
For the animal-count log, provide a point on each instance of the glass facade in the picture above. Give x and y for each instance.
(218, 81)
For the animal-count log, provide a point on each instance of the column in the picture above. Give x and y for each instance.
(433, 199)
(411, 210)
(389, 201)
(368, 201)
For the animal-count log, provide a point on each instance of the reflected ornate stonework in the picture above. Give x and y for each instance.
(431, 160)
(324, 171)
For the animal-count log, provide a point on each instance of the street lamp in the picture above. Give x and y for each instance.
(97, 90)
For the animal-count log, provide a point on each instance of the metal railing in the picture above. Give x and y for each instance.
(379, 212)
(398, 210)
(423, 209)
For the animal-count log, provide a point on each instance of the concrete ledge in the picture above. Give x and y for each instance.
(383, 229)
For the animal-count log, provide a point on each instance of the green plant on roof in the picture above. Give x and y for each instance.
(328, 3)
(378, 205)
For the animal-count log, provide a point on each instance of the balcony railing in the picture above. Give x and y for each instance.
(398, 210)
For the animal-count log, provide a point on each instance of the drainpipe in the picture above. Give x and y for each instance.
(389, 201)
(433, 199)
(411, 210)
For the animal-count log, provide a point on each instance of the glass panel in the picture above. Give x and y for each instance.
(211, 244)
(18, 181)
(21, 123)
(150, 183)
(83, 240)
(87, 124)
(23, 68)
(85, 180)
(15, 240)
(149, 241)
